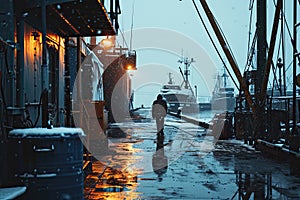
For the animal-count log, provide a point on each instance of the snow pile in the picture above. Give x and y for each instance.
(45, 132)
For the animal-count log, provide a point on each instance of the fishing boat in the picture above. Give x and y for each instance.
(180, 98)
(223, 94)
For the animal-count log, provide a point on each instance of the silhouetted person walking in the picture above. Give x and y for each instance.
(159, 112)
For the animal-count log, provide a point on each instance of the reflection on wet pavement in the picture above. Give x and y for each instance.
(159, 159)
(185, 163)
(107, 182)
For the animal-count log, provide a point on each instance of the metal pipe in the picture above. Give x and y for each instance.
(44, 46)
(67, 85)
(222, 42)
(20, 63)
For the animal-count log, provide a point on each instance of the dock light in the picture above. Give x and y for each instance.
(129, 67)
(129, 61)
(107, 43)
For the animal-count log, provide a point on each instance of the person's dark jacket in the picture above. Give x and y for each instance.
(159, 108)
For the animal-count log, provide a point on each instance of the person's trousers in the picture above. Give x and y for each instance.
(160, 122)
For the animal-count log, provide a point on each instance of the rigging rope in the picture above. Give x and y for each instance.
(251, 3)
(290, 77)
(274, 69)
(289, 31)
(282, 32)
(214, 45)
(124, 40)
(284, 20)
(278, 52)
(251, 52)
(225, 39)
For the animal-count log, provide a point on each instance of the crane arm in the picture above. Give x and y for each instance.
(222, 42)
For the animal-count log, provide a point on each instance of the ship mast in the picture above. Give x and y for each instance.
(225, 76)
(261, 44)
(170, 79)
(187, 63)
(261, 28)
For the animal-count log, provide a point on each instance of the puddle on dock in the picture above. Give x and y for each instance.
(140, 166)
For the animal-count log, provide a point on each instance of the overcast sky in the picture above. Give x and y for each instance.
(163, 30)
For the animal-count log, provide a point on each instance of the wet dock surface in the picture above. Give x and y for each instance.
(186, 162)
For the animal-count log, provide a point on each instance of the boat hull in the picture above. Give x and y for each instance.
(226, 104)
(183, 107)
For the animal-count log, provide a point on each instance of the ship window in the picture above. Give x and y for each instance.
(173, 87)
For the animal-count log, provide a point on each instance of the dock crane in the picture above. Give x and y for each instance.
(258, 103)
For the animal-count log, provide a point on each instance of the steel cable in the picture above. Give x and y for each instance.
(214, 45)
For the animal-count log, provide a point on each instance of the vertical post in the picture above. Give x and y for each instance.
(186, 72)
(78, 78)
(3, 104)
(112, 10)
(92, 42)
(283, 48)
(117, 11)
(294, 139)
(20, 63)
(261, 44)
(294, 69)
(8, 34)
(45, 116)
(44, 47)
(270, 52)
(67, 85)
(280, 80)
(264, 71)
(261, 25)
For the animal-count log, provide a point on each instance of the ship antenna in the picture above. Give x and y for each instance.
(170, 79)
(225, 78)
(187, 64)
(132, 17)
